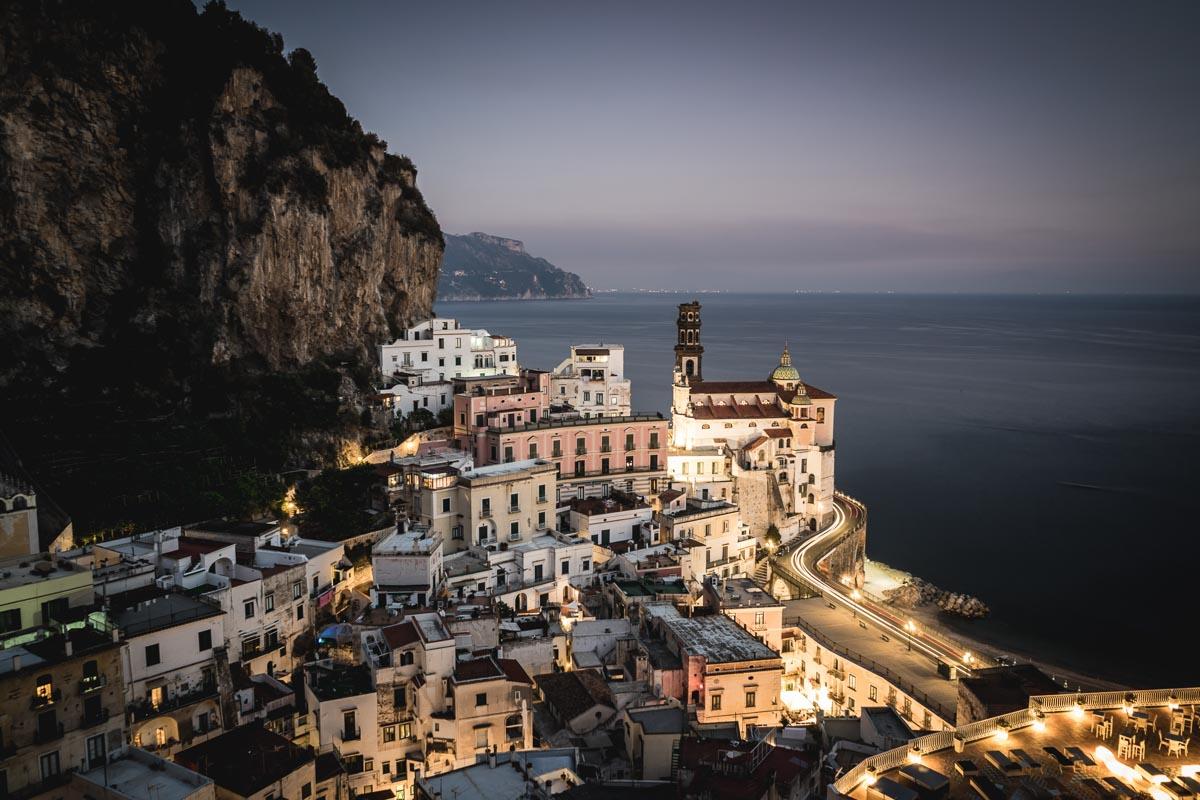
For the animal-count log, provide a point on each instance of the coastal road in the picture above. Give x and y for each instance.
(802, 563)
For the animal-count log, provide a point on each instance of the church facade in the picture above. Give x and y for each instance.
(766, 444)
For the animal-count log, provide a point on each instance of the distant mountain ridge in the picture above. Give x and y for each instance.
(481, 266)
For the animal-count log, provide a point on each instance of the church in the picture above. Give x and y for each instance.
(766, 445)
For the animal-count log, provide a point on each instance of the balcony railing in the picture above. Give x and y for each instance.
(44, 700)
(48, 733)
(514, 509)
(92, 720)
(351, 735)
(485, 512)
(581, 451)
(605, 448)
(145, 709)
(92, 683)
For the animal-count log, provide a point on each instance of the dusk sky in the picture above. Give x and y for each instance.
(953, 146)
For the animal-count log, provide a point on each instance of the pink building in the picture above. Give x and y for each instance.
(495, 402)
(628, 452)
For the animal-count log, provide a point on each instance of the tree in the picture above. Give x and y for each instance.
(772, 539)
(335, 500)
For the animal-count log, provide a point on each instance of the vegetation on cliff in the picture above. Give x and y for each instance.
(199, 248)
(480, 266)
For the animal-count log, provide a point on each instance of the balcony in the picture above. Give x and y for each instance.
(145, 709)
(92, 683)
(581, 451)
(604, 448)
(514, 509)
(485, 512)
(48, 733)
(543, 499)
(92, 720)
(45, 700)
(351, 735)
(835, 674)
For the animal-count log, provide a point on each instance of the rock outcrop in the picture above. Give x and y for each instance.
(917, 592)
(198, 245)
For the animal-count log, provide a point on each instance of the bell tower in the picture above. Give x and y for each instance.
(689, 353)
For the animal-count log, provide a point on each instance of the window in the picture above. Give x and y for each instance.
(458, 361)
(481, 699)
(399, 698)
(599, 399)
(49, 765)
(406, 660)
(760, 617)
(508, 454)
(481, 738)
(514, 502)
(565, 567)
(306, 791)
(389, 735)
(271, 640)
(654, 440)
(300, 611)
(872, 693)
(556, 448)
(205, 642)
(425, 356)
(750, 699)
(269, 601)
(248, 608)
(514, 530)
(446, 505)
(514, 728)
(10, 620)
(628, 439)
(404, 732)
(541, 492)
(297, 590)
(587, 397)
(541, 519)
(852, 681)
(533, 450)
(716, 702)
(587, 564)
(152, 656)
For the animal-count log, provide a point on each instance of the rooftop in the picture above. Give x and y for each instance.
(574, 693)
(718, 639)
(25, 570)
(329, 681)
(508, 469)
(755, 387)
(25, 650)
(163, 612)
(502, 782)
(580, 422)
(139, 775)
(616, 501)
(245, 760)
(1016, 754)
(660, 719)
(889, 724)
(234, 528)
(743, 593)
(1004, 689)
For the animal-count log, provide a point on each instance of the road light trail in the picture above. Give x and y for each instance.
(803, 561)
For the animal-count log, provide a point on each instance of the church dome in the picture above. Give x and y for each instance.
(785, 372)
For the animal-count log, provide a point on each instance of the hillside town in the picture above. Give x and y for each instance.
(563, 597)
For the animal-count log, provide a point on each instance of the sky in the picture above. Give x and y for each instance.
(837, 146)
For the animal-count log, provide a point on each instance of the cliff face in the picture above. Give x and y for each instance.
(480, 266)
(194, 238)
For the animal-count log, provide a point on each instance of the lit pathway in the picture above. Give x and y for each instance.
(802, 562)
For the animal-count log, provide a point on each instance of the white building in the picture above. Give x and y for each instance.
(592, 381)
(619, 517)
(425, 359)
(772, 438)
(526, 576)
(407, 567)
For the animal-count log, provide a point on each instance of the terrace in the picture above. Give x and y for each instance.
(1104, 745)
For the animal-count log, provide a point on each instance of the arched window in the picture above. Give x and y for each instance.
(691, 368)
(522, 603)
(811, 480)
(406, 658)
(19, 503)
(811, 499)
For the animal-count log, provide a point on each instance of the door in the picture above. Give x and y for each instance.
(95, 751)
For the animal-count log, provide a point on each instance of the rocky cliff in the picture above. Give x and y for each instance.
(480, 266)
(199, 249)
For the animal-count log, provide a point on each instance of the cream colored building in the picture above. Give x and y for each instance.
(728, 544)
(776, 432)
(501, 503)
(750, 606)
(592, 381)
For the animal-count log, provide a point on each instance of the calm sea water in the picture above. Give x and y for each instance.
(1037, 452)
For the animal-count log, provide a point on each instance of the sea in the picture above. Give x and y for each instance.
(1038, 452)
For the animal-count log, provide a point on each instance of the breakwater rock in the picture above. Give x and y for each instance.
(915, 593)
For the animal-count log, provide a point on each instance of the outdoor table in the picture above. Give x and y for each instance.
(926, 778)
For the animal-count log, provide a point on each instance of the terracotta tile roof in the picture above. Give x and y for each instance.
(573, 693)
(477, 669)
(735, 410)
(400, 634)
(779, 433)
(752, 387)
(515, 672)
